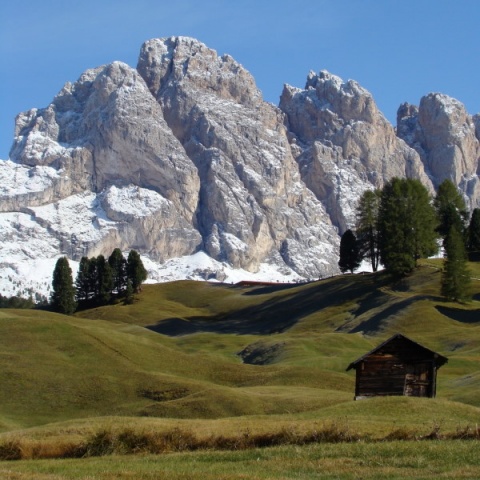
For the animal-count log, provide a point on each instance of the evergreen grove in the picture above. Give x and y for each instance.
(99, 281)
(402, 223)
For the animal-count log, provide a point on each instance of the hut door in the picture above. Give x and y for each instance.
(416, 380)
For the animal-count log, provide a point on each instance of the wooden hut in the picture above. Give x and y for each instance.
(398, 366)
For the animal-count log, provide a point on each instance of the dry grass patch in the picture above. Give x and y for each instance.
(128, 441)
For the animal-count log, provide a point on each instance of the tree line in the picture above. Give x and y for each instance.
(401, 223)
(98, 281)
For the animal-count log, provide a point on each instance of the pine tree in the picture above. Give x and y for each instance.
(104, 280)
(82, 282)
(455, 276)
(367, 226)
(450, 207)
(93, 284)
(63, 294)
(474, 233)
(119, 271)
(407, 222)
(136, 272)
(349, 254)
(128, 293)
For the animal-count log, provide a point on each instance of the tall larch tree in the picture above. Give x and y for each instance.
(367, 226)
(407, 223)
(82, 281)
(118, 265)
(455, 276)
(63, 294)
(474, 233)
(105, 280)
(451, 210)
(136, 272)
(349, 254)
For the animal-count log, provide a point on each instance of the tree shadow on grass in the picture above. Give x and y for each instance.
(378, 321)
(278, 313)
(460, 315)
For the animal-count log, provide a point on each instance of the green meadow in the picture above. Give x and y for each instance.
(202, 380)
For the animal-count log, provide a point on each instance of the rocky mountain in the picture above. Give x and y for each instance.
(343, 143)
(447, 139)
(181, 155)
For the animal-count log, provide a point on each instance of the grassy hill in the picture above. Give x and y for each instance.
(223, 357)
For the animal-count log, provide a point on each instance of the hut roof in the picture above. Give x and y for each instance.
(439, 359)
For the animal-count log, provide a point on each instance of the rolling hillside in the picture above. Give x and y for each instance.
(201, 352)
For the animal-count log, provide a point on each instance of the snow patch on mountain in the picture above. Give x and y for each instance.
(26, 263)
(24, 276)
(201, 267)
(18, 179)
(78, 216)
(135, 201)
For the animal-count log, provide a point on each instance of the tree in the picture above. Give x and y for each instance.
(63, 295)
(455, 275)
(136, 272)
(128, 293)
(450, 207)
(349, 254)
(82, 281)
(104, 280)
(118, 265)
(367, 226)
(407, 222)
(474, 232)
(93, 284)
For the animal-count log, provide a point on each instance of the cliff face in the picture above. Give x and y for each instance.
(252, 204)
(182, 155)
(447, 139)
(343, 143)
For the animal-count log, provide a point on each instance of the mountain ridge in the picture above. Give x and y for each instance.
(223, 172)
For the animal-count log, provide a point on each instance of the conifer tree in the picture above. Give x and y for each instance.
(104, 280)
(128, 293)
(455, 276)
(93, 284)
(474, 232)
(63, 294)
(118, 265)
(136, 272)
(82, 282)
(349, 253)
(367, 226)
(407, 222)
(450, 207)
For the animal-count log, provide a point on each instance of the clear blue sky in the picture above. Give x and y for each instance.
(398, 50)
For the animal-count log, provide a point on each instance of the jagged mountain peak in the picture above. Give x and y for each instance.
(446, 138)
(181, 155)
(170, 62)
(326, 80)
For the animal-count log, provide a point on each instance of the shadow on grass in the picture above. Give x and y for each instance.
(460, 315)
(280, 312)
(380, 320)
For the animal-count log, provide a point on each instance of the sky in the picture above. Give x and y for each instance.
(398, 50)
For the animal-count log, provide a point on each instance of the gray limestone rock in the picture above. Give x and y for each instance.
(344, 145)
(182, 154)
(446, 138)
(252, 199)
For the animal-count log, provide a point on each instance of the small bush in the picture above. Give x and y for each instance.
(466, 433)
(10, 450)
(99, 444)
(176, 440)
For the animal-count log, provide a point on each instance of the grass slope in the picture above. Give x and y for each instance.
(369, 461)
(296, 340)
